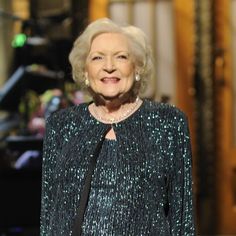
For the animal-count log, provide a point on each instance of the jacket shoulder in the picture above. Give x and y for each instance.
(165, 111)
(64, 115)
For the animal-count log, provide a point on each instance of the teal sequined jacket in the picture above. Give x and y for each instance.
(153, 195)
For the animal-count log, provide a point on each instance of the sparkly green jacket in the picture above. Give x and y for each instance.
(154, 191)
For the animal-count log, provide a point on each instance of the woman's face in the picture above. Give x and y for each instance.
(109, 66)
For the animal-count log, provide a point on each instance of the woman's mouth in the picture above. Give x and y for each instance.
(112, 80)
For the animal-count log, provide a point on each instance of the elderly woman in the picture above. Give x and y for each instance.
(119, 165)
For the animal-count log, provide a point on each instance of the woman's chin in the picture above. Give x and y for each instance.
(110, 96)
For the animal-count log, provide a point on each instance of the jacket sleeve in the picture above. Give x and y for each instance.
(50, 149)
(180, 194)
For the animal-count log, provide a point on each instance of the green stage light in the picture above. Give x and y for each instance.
(19, 41)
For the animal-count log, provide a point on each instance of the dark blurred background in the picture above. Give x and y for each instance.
(194, 44)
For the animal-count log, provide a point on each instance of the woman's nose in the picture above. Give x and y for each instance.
(109, 65)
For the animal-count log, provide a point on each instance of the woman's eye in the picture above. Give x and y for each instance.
(122, 57)
(96, 58)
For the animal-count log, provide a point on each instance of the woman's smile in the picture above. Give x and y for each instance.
(110, 80)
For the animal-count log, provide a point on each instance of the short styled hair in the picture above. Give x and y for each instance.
(138, 43)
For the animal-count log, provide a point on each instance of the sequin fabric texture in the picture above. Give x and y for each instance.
(142, 184)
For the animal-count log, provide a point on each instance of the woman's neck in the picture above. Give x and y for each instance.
(113, 104)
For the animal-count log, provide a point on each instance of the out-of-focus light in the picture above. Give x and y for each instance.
(19, 41)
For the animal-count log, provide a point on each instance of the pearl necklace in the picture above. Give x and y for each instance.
(113, 120)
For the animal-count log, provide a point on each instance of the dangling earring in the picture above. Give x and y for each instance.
(137, 77)
(86, 81)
